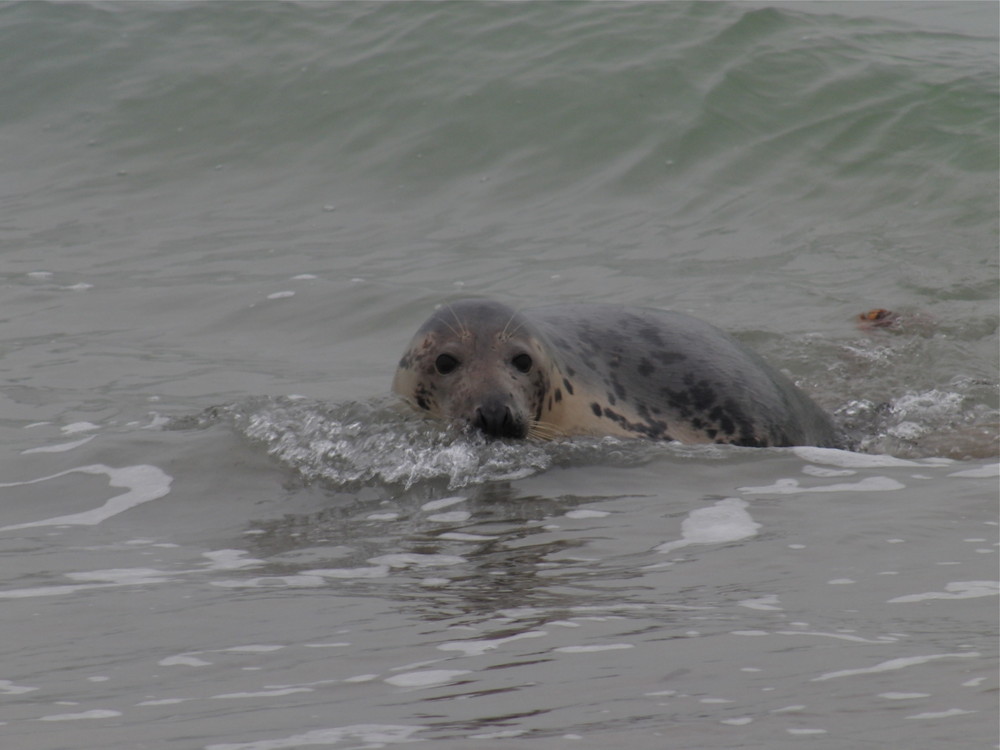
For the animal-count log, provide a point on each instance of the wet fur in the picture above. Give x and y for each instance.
(606, 370)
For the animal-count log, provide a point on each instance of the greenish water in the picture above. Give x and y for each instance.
(250, 207)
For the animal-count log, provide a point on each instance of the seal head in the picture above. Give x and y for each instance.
(478, 362)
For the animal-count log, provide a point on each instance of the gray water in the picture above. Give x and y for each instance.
(221, 223)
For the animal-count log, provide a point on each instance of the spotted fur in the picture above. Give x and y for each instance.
(603, 370)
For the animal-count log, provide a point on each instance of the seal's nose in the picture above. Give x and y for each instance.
(495, 419)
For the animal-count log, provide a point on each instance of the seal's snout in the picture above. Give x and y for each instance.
(494, 418)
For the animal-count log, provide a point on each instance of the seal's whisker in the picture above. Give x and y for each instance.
(504, 333)
(461, 331)
(513, 332)
(543, 430)
(452, 328)
(508, 333)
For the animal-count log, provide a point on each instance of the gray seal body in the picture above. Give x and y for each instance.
(589, 369)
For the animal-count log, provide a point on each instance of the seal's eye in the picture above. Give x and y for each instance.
(445, 363)
(522, 362)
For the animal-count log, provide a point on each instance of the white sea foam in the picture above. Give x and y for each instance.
(479, 647)
(7, 687)
(454, 516)
(726, 521)
(373, 735)
(585, 513)
(456, 536)
(277, 692)
(980, 472)
(413, 559)
(594, 648)
(792, 487)
(903, 696)
(97, 713)
(823, 471)
(443, 502)
(374, 571)
(948, 713)
(79, 427)
(386, 516)
(59, 447)
(840, 636)
(123, 576)
(426, 678)
(954, 590)
(184, 660)
(769, 602)
(143, 483)
(849, 460)
(894, 664)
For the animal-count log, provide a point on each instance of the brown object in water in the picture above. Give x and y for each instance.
(878, 318)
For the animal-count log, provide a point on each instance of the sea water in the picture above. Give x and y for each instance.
(223, 222)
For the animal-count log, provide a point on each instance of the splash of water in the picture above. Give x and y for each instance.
(934, 422)
(357, 444)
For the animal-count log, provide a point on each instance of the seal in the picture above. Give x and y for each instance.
(591, 369)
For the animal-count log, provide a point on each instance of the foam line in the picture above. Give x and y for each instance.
(142, 482)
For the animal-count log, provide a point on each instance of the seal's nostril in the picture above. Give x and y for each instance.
(496, 420)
